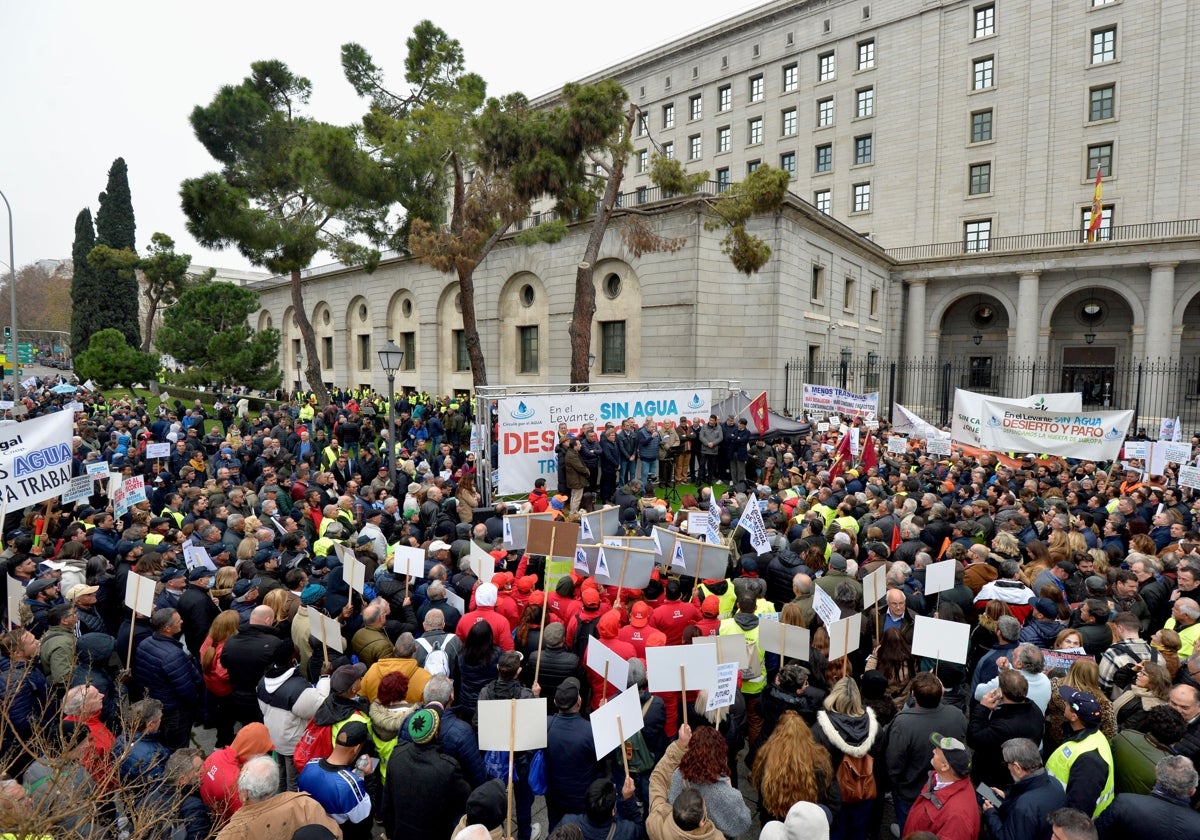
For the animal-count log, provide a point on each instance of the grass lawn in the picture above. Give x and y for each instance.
(187, 396)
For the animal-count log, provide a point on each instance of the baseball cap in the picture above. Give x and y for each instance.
(345, 677)
(243, 586)
(40, 585)
(639, 614)
(170, 573)
(567, 694)
(955, 752)
(81, 589)
(503, 580)
(1046, 607)
(710, 607)
(1095, 583)
(1082, 703)
(590, 599)
(200, 573)
(526, 584)
(352, 734)
(438, 545)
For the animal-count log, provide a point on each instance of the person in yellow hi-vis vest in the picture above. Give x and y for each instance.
(1084, 762)
(754, 676)
(723, 590)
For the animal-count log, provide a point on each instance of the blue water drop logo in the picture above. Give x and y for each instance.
(523, 412)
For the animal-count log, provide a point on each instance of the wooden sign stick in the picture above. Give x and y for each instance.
(621, 579)
(846, 655)
(624, 755)
(683, 691)
(878, 618)
(324, 644)
(512, 738)
(537, 669)
(605, 692)
(137, 586)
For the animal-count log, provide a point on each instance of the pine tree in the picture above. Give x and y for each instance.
(116, 228)
(85, 290)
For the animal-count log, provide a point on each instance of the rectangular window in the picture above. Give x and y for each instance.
(866, 54)
(788, 121)
(862, 149)
(297, 348)
(825, 112)
(874, 305)
(641, 195)
(695, 107)
(983, 71)
(364, 352)
(866, 102)
(1100, 103)
(862, 197)
(787, 162)
(724, 97)
(408, 343)
(527, 338)
(823, 200)
(723, 138)
(668, 151)
(977, 235)
(756, 88)
(985, 20)
(462, 359)
(816, 290)
(826, 66)
(824, 161)
(643, 160)
(612, 347)
(694, 147)
(327, 352)
(668, 112)
(1104, 45)
(980, 179)
(642, 126)
(1100, 155)
(722, 179)
(1104, 233)
(791, 78)
(980, 372)
(849, 291)
(1102, 2)
(752, 165)
(754, 131)
(981, 126)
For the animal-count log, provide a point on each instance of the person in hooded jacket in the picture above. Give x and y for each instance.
(507, 686)
(388, 712)
(426, 790)
(288, 701)
(1042, 627)
(92, 654)
(846, 728)
(791, 691)
(608, 630)
(780, 574)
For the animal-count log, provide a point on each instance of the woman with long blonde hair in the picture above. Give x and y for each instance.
(222, 588)
(790, 767)
(216, 678)
(846, 728)
(1083, 675)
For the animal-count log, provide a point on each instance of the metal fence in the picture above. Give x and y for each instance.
(1154, 390)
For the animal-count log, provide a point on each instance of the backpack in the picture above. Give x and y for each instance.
(637, 752)
(315, 742)
(436, 660)
(754, 670)
(856, 778)
(583, 631)
(495, 765)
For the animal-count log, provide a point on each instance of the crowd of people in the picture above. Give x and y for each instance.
(1075, 715)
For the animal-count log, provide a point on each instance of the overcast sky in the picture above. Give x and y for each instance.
(84, 83)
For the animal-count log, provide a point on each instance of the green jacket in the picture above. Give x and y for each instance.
(1135, 759)
(58, 655)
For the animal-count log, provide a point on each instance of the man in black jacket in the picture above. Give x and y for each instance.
(1033, 795)
(781, 573)
(1165, 811)
(246, 656)
(558, 663)
(168, 674)
(197, 608)
(1003, 714)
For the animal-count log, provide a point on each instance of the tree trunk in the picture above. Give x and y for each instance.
(148, 333)
(466, 281)
(313, 370)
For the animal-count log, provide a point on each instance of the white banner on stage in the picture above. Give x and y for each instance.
(968, 409)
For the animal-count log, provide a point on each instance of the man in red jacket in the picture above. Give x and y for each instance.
(609, 627)
(485, 610)
(638, 630)
(593, 607)
(674, 615)
(710, 611)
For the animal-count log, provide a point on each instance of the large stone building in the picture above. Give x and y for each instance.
(953, 146)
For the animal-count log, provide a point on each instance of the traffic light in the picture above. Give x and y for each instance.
(8, 333)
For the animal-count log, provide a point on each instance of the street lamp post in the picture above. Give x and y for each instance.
(846, 354)
(390, 359)
(299, 381)
(12, 297)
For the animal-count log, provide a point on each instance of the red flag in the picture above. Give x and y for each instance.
(869, 457)
(758, 411)
(895, 540)
(841, 457)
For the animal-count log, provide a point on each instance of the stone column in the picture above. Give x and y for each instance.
(914, 345)
(1159, 326)
(1025, 346)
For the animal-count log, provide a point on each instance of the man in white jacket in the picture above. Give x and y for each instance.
(288, 701)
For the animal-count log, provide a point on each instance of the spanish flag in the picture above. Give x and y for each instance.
(1097, 215)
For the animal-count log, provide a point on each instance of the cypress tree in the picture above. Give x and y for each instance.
(116, 228)
(86, 292)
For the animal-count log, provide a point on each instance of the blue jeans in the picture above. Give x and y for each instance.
(628, 471)
(648, 468)
(902, 809)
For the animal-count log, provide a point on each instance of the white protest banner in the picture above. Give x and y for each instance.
(1177, 453)
(79, 487)
(823, 427)
(712, 524)
(354, 571)
(937, 445)
(668, 668)
(321, 626)
(897, 445)
(722, 693)
(937, 638)
(875, 585)
(409, 560)
(1010, 427)
(139, 594)
(607, 664)
(844, 636)
(786, 640)
(824, 606)
(1170, 429)
(854, 442)
(525, 720)
(826, 399)
(968, 411)
(97, 469)
(1157, 463)
(906, 422)
(135, 490)
(16, 594)
(158, 450)
(1189, 477)
(194, 556)
(35, 459)
(713, 560)
(615, 722)
(482, 563)
(939, 576)
(528, 425)
(752, 521)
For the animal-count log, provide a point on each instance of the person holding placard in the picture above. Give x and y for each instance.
(754, 677)
(607, 816)
(570, 755)
(684, 816)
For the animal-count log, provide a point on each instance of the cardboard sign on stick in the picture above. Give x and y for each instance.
(321, 626)
(940, 639)
(824, 606)
(482, 563)
(408, 560)
(844, 636)
(196, 557)
(599, 524)
(875, 586)
(731, 648)
(664, 541)
(557, 539)
(616, 721)
(354, 571)
(698, 664)
(517, 526)
(721, 695)
(496, 722)
(939, 576)
(598, 656)
(16, 594)
(787, 640)
(158, 450)
(453, 599)
(713, 559)
(139, 594)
